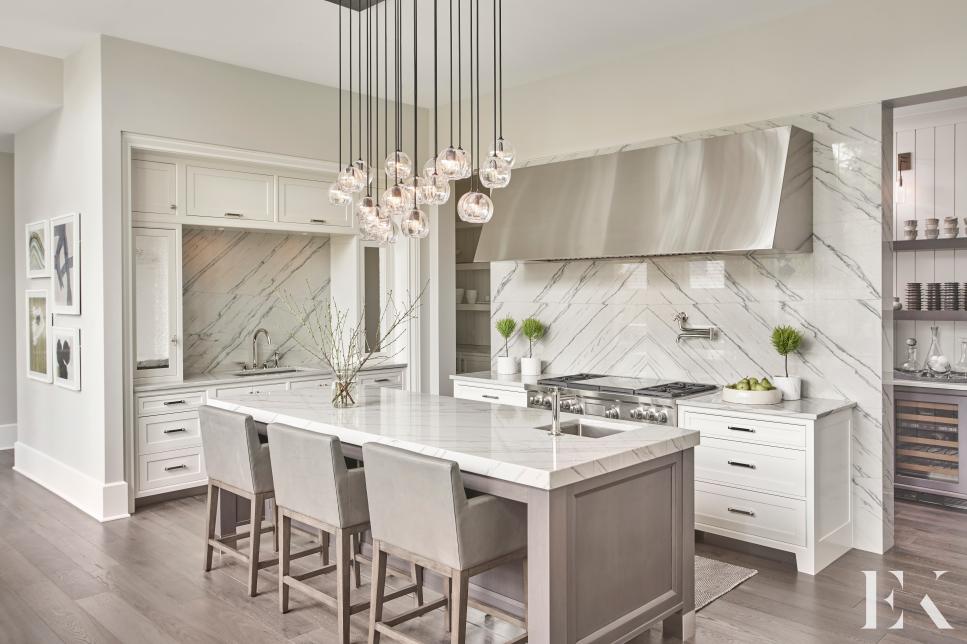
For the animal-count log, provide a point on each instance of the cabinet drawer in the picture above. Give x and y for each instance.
(170, 403)
(254, 388)
(393, 379)
(746, 429)
(309, 384)
(230, 195)
(179, 467)
(166, 432)
(306, 201)
(751, 513)
(775, 470)
(485, 394)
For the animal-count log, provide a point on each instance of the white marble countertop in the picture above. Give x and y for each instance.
(204, 380)
(496, 441)
(807, 408)
(515, 381)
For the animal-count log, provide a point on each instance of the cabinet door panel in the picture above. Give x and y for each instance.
(305, 201)
(153, 187)
(232, 195)
(157, 296)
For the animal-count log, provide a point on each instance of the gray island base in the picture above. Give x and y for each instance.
(610, 520)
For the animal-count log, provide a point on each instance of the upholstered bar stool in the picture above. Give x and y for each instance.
(314, 487)
(419, 511)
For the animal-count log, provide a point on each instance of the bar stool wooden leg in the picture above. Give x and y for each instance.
(324, 543)
(416, 575)
(285, 550)
(344, 559)
(210, 527)
(376, 597)
(255, 537)
(449, 601)
(357, 548)
(458, 611)
(275, 527)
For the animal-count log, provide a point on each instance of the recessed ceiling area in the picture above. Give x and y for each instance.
(295, 38)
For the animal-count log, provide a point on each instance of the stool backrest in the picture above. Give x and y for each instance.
(414, 502)
(232, 450)
(311, 476)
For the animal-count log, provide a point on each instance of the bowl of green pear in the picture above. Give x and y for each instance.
(752, 391)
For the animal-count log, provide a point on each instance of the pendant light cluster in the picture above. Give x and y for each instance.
(381, 216)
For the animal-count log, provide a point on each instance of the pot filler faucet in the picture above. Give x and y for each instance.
(255, 346)
(703, 332)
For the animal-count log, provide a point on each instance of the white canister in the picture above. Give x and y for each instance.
(790, 386)
(471, 296)
(530, 366)
(459, 294)
(507, 365)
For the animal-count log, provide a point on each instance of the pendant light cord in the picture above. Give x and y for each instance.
(473, 157)
(436, 102)
(416, 110)
(495, 75)
(369, 105)
(359, 76)
(460, 73)
(500, 36)
(339, 123)
(350, 50)
(450, 20)
(478, 93)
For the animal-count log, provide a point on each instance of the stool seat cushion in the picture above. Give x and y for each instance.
(233, 453)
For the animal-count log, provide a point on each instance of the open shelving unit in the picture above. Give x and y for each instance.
(473, 320)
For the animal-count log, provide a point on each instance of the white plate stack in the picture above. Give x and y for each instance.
(950, 229)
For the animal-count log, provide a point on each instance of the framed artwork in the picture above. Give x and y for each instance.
(38, 336)
(66, 347)
(65, 233)
(38, 249)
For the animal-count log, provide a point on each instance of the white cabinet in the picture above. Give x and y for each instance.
(485, 392)
(776, 481)
(154, 187)
(230, 194)
(168, 442)
(306, 201)
(157, 303)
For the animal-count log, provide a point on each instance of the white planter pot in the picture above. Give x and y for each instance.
(530, 366)
(790, 387)
(507, 365)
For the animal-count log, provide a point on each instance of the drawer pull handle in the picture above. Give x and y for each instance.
(176, 431)
(317, 221)
(748, 513)
(381, 380)
(750, 466)
(234, 214)
(169, 403)
(172, 468)
(490, 397)
(742, 429)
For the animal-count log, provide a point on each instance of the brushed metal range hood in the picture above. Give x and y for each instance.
(729, 194)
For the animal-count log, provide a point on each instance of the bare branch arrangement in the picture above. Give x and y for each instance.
(340, 343)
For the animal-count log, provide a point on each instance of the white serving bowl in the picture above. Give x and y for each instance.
(751, 397)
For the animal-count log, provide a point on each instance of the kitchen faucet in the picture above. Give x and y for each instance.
(556, 410)
(255, 346)
(703, 332)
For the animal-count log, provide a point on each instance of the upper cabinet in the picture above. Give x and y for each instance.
(229, 194)
(306, 201)
(154, 187)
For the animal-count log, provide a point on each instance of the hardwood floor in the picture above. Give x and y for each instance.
(67, 578)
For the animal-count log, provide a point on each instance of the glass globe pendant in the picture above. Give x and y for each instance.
(505, 150)
(395, 200)
(448, 163)
(495, 172)
(429, 168)
(398, 166)
(384, 232)
(436, 191)
(415, 188)
(364, 169)
(366, 209)
(415, 224)
(351, 180)
(338, 196)
(475, 208)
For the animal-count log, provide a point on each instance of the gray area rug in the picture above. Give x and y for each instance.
(715, 578)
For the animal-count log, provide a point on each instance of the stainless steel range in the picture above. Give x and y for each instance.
(637, 399)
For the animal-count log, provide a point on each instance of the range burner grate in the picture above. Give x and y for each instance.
(675, 389)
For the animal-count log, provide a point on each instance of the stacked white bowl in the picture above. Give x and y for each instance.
(932, 229)
(950, 228)
(910, 229)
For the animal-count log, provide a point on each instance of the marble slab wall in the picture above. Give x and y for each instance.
(232, 281)
(616, 317)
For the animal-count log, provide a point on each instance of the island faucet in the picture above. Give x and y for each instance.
(255, 346)
(556, 410)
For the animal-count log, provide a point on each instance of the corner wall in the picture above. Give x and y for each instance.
(8, 293)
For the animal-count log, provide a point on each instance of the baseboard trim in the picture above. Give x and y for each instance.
(8, 436)
(102, 501)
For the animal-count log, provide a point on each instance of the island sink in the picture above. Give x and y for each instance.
(584, 427)
(265, 371)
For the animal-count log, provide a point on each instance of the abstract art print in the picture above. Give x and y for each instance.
(66, 347)
(38, 336)
(38, 249)
(65, 273)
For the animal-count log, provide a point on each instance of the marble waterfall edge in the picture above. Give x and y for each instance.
(616, 316)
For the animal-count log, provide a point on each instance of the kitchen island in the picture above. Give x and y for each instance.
(610, 519)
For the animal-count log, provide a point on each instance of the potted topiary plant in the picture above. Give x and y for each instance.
(786, 340)
(505, 364)
(533, 329)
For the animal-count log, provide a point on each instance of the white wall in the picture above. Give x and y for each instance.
(58, 170)
(8, 334)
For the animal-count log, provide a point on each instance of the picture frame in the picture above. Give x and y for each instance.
(66, 354)
(65, 263)
(37, 249)
(37, 335)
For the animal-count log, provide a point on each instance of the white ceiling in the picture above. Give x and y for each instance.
(295, 38)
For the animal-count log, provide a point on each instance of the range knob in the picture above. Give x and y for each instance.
(638, 413)
(577, 408)
(661, 416)
(651, 415)
(612, 412)
(565, 405)
(537, 400)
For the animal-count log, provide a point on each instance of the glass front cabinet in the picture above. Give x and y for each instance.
(157, 303)
(928, 432)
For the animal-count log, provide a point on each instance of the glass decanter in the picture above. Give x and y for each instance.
(936, 362)
(911, 365)
(960, 367)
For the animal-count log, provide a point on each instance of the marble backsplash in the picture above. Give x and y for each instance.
(616, 317)
(232, 281)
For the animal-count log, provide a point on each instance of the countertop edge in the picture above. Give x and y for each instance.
(301, 372)
(770, 410)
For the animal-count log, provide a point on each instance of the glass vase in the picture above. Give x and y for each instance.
(960, 367)
(344, 389)
(936, 361)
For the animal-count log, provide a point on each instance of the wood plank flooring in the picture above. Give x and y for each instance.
(67, 578)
